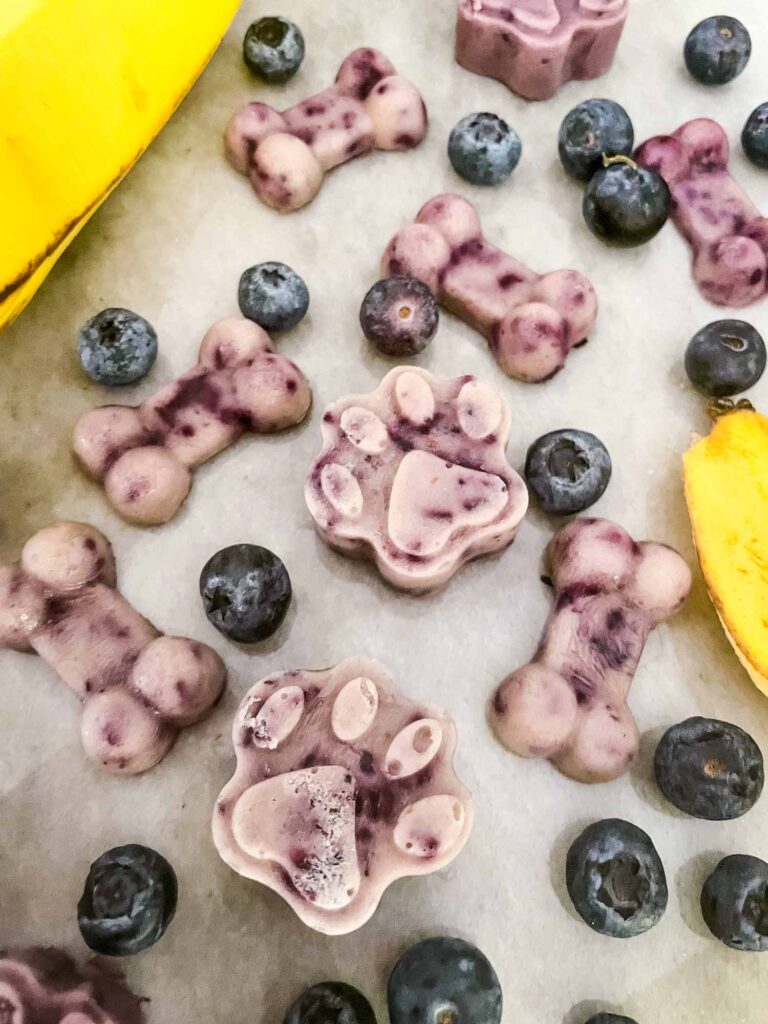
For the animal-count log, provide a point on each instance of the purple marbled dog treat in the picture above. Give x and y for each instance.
(342, 786)
(570, 703)
(535, 46)
(415, 477)
(139, 689)
(726, 231)
(531, 322)
(286, 155)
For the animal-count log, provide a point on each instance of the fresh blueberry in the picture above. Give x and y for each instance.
(610, 1018)
(734, 902)
(709, 769)
(754, 137)
(717, 50)
(616, 879)
(399, 316)
(331, 1003)
(128, 901)
(567, 471)
(725, 357)
(625, 204)
(483, 149)
(117, 347)
(246, 591)
(273, 295)
(593, 129)
(273, 49)
(444, 980)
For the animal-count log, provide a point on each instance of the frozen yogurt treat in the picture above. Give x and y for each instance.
(414, 476)
(139, 689)
(342, 786)
(726, 232)
(570, 703)
(535, 46)
(531, 322)
(286, 155)
(145, 455)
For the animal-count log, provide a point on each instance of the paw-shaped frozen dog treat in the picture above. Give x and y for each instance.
(285, 155)
(144, 455)
(415, 477)
(535, 46)
(138, 688)
(45, 986)
(725, 230)
(342, 786)
(531, 322)
(570, 703)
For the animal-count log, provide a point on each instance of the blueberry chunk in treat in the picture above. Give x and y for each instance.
(717, 50)
(273, 295)
(593, 129)
(610, 1018)
(444, 979)
(399, 316)
(734, 903)
(754, 137)
(625, 204)
(128, 901)
(246, 592)
(117, 347)
(483, 149)
(725, 358)
(567, 471)
(273, 49)
(332, 1002)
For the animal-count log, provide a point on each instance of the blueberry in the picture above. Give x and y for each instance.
(616, 879)
(273, 295)
(717, 50)
(592, 129)
(117, 347)
(754, 137)
(483, 149)
(273, 49)
(725, 357)
(444, 979)
(331, 1003)
(734, 902)
(625, 204)
(128, 901)
(246, 591)
(610, 1018)
(567, 471)
(399, 316)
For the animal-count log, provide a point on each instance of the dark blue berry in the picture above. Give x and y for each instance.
(399, 316)
(444, 979)
(483, 149)
(273, 49)
(616, 879)
(709, 769)
(717, 50)
(610, 1018)
(331, 1003)
(273, 295)
(754, 137)
(117, 347)
(625, 204)
(725, 357)
(128, 901)
(592, 129)
(734, 902)
(246, 592)
(567, 471)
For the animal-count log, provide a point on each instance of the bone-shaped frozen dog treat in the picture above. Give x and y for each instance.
(285, 155)
(570, 703)
(45, 986)
(531, 322)
(342, 786)
(145, 455)
(725, 230)
(414, 476)
(138, 688)
(535, 46)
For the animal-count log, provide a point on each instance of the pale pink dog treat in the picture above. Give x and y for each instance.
(414, 476)
(531, 322)
(535, 46)
(145, 454)
(570, 703)
(726, 231)
(342, 787)
(45, 986)
(139, 689)
(285, 155)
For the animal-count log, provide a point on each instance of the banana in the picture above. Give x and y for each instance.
(85, 85)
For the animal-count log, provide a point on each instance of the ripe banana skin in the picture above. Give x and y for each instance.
(85, 85)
